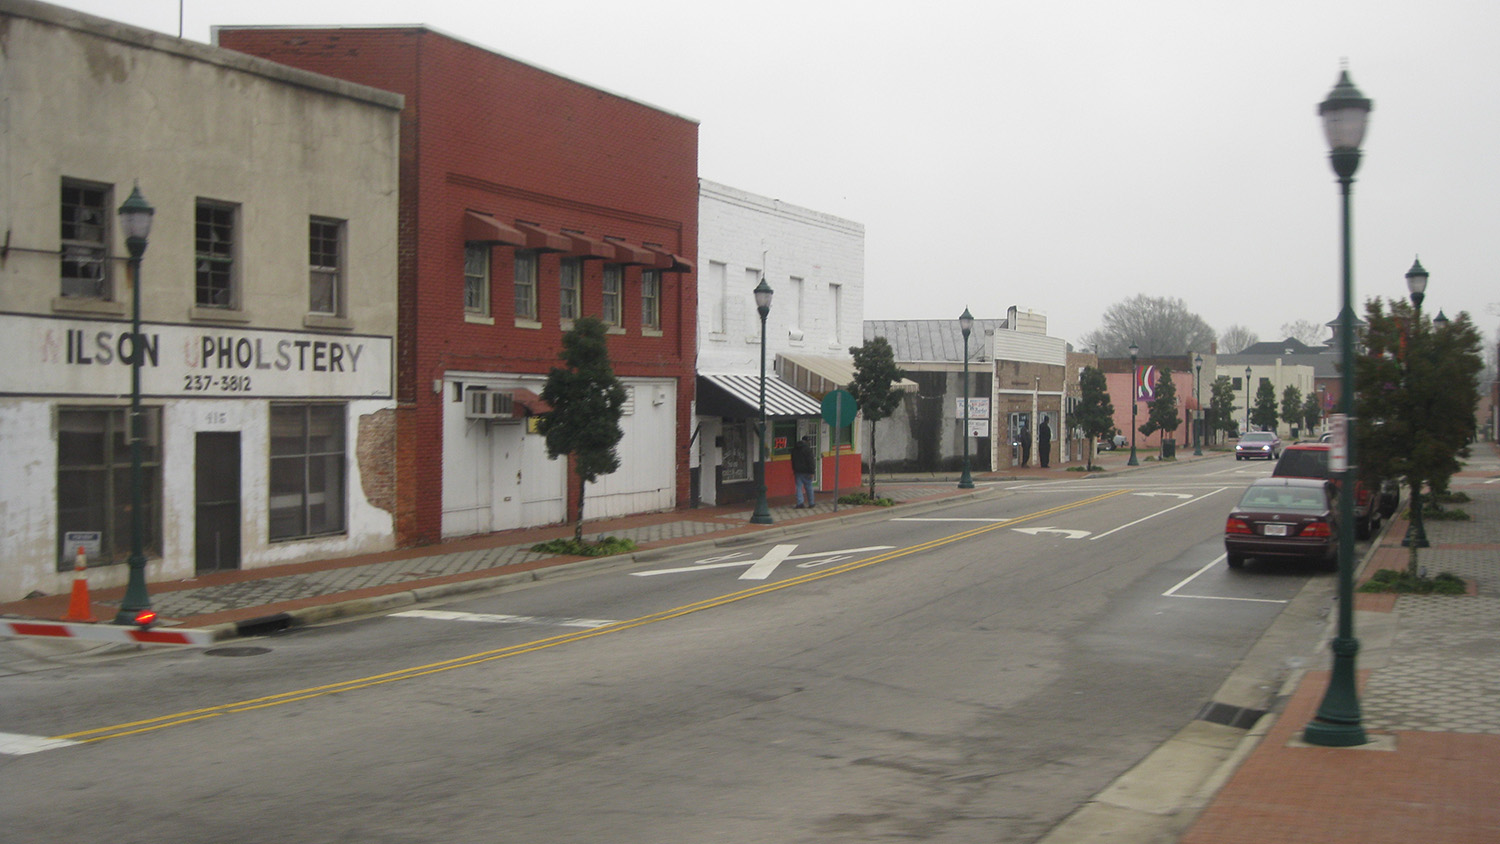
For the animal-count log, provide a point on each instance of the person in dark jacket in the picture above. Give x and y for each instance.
(804, 467)
(1044, 442)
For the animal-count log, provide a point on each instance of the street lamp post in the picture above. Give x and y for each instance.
(1416, 284)
(762, 514)
(966, 325)
(1337, 721)
(1198, 397)
(135, 219)
(1135, 394)
(1247, 400)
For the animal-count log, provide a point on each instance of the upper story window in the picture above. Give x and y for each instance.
(570, 288)
(714, 296)
(85, 240)
(325, 260)
(651, 299)
(525, 285)
(614, 282)
(214, 250)
(836, 311)
(477, 279)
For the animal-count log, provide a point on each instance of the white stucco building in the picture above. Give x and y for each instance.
(267, 305)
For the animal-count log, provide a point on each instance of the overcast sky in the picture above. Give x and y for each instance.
(1059, 155)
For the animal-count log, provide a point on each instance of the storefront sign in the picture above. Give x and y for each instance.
(74, 357)
(978, 408)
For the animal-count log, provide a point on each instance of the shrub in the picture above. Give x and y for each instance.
(861, 498)
(606, 546)
(1390, 580)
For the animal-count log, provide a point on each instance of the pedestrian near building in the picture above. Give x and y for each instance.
(804, 467)
(1044, 442)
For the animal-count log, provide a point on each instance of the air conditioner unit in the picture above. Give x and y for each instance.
(484, 403)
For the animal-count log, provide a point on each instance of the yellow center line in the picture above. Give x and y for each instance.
(150, 724)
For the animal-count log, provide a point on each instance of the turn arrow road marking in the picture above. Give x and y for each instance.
(1064, 532)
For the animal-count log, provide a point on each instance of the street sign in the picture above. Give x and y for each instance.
(1338, 450)
(839, 408)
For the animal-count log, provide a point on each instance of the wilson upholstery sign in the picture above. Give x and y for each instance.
(72, 357)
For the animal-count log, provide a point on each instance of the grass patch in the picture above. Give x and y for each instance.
(1453, 498)
(1452, 514)
(1079, 469)
(863, 498)
(1390, 580)
(606, 546)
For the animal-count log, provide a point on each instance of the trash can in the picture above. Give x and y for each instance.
(1168, 449)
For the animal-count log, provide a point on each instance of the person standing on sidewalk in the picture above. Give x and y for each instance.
(1044, 442)
(803, 469)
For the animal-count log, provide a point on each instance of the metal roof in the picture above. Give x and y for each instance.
(782, 399)
(933, 340)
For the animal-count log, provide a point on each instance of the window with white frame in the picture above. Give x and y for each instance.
(93, 478)
(525, 285)
(477, 279)
(614, 282)
(835, 311)
(325, 261)
(308, 469)
(651, 299)
(715, 295)
(85, 240)
(794, 299)
(214, 248)
(570, 288)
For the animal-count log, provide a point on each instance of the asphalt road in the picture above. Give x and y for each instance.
(972, 675)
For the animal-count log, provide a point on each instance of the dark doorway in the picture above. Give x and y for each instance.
(218, 501)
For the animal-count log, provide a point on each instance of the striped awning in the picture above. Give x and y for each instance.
(738, 396)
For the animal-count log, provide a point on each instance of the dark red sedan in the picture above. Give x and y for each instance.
(1284, 518)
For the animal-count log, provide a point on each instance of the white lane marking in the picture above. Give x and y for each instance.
(915, 519)
(1157, 513)
(1163, 494)
(1070, 534)
(15, 744)
(1172, 593)
(496, 618)
(761, 569)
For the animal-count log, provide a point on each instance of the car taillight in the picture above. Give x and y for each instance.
(1234, 525)
(1316, 529)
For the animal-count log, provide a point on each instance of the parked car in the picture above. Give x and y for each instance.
(1326, 437)
(1310, 460)
(1284, 518)
(1112, 443)
(1255, 444)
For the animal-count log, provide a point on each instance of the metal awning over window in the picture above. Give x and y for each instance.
(817, 375)
(543, 240)
(583, 246)
(738, 396)
(627, 254)
(482, 228)
(669, 262)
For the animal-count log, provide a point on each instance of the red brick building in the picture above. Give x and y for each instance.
(526, 200)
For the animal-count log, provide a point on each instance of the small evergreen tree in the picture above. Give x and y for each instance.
(1264, 413)
(873, 387)
(1312, 412)
(1221, 405)
(1095, 413)
(586, 399)
(1291, 405)
(1161, 413)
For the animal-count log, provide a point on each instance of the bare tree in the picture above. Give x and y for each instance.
(1158, 325)
(1303, 331)
(1236, 339)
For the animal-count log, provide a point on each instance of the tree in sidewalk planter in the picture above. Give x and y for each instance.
(1095, 413)
(1221, 406)
(1264, 415)
(1161, 412)
(1416, 391)
(874, 387)
(587, 402)
(1291, 405)
(1312, 413)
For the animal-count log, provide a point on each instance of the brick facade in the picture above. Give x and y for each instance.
(485, 133)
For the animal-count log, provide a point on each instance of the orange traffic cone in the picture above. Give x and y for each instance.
(79, 608)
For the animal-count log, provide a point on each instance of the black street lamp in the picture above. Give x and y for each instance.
(762, 514)
(1337, 721)
(1416, 284)
(1135, 394)
(135, 220)
(1198, 397)
(966, 325)
(1247, 400)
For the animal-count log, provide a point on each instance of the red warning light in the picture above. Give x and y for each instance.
(145, 618)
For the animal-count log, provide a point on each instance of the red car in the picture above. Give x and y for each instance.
(1283, 517)
(1310, 460)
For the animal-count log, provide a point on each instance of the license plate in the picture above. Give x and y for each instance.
(1275, 530)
